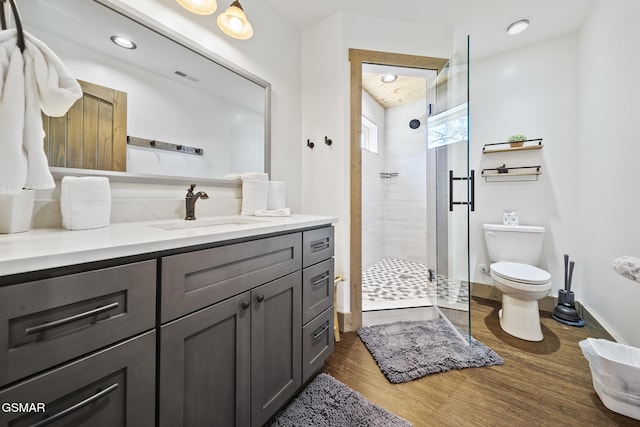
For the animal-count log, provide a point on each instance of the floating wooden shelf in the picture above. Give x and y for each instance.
(501, 147)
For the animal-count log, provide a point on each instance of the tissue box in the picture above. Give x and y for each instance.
(16, 211)
(509, 217)
(85, 202)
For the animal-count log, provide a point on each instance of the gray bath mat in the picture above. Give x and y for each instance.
(328, 402)
(405, 351)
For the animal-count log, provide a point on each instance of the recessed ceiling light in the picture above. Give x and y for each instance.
(518, 26)
(388, 78)
(123, 42)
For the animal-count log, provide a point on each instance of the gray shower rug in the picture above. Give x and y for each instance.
(405, 351)
(326, 402)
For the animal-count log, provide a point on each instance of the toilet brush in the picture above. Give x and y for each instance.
(565, 312)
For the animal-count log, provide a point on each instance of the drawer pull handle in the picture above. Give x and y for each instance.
(321, 332)
(56, 323)
(245, 305)
(319, 245)
(77, 406)
(321, 279)
(260, 298)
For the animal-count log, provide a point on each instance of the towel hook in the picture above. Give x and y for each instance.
(18, 22)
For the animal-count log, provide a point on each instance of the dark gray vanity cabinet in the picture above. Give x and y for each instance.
(252, 321)
(317, 299)
(205, 366)
(82, 345)
(275, 345)
(235, 362)
(220, 335)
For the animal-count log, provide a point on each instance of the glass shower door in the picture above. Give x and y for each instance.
(448, 142)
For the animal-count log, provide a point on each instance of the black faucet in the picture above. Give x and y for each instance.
(190, 201)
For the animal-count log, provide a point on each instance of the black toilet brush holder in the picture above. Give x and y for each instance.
(566, 297)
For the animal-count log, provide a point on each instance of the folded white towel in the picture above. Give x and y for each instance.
(277, 212)
(628, 267)
(255, 176)
(32, 80)
(277, 195)
(85, 202)
(233, 176)
(255, 196)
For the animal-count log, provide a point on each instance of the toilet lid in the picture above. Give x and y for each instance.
(521, 273)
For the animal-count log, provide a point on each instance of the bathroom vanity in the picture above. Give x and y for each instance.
(169, 323)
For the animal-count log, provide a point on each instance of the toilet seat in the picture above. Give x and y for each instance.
(520, 276)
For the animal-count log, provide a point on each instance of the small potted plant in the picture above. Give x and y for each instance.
(517, 140)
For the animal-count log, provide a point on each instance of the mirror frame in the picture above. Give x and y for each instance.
(153, 25)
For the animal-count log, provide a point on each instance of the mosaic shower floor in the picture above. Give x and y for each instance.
(395, 283)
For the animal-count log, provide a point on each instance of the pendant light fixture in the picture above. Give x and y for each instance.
(200, 7)
(234, 23)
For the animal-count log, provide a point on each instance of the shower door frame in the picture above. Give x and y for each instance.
(357, 57)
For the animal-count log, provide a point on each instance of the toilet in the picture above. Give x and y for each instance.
(514, 251)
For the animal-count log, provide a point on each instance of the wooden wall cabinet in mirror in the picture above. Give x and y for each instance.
(93, 133)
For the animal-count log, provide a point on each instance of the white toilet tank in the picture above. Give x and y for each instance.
(514, 243)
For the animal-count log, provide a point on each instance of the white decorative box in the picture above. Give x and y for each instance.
(509, 217)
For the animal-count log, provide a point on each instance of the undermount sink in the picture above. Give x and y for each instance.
(179, 224)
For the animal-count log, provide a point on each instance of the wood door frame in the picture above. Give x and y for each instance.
(357, 57)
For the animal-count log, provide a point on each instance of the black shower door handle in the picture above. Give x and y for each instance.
(472, 183)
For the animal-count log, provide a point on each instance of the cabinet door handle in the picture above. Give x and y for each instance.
(319, 245)
(260, 298)
(321, 279)
(321, 332)
(60, 322)
(245, 304)
(77, 406)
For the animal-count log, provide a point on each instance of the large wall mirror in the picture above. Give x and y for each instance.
(187, 113)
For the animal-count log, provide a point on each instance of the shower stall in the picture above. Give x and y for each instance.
(416, 193)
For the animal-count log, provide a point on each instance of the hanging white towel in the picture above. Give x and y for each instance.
(33, 80)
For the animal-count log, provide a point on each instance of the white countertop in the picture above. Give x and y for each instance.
(40, 249)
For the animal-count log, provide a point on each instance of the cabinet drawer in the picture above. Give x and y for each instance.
(47, 322)
(317, 343)
(317, 245)
(194, 280)
(317, 289)
(113, 387)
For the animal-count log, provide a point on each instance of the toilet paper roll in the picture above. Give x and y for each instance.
(255, 196)
(277, 195)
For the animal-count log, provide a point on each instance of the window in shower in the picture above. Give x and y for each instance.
(369, 135)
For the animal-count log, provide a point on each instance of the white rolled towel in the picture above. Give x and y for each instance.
(255, 196)
(277, 212)
(277, 195)
(85, 202)
(628, 266)
(255, 176)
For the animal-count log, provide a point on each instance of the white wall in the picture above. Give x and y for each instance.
(405, 201)
(531, 91)
(609, 154)
(373, 188)
(325, 74)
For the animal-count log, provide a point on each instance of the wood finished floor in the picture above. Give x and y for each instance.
(546, 383)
